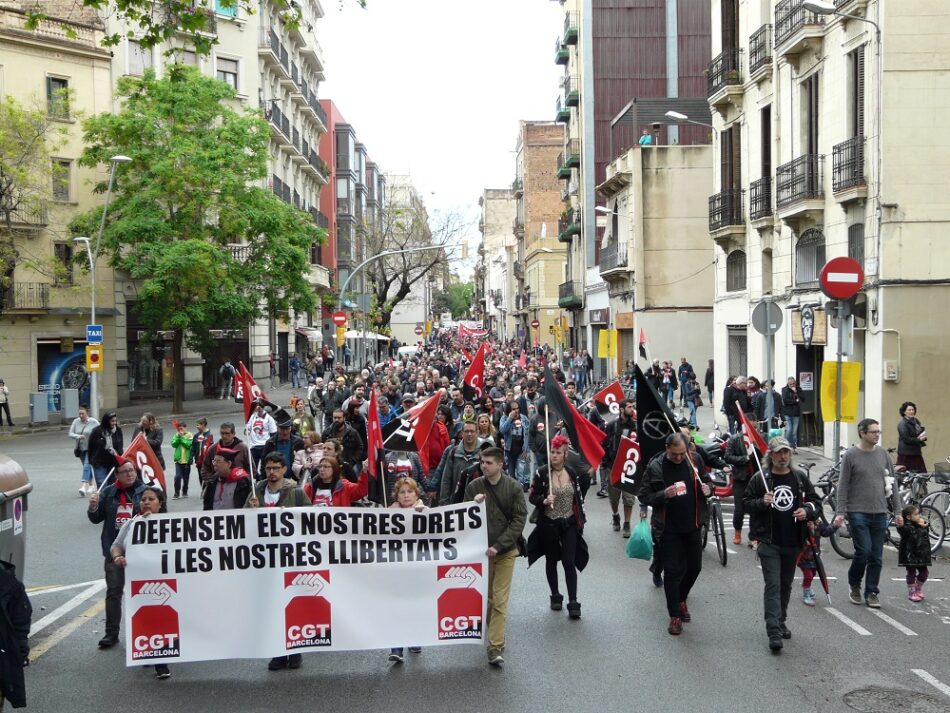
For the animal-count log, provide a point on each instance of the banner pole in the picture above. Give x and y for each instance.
(547, 444)
(105, 480)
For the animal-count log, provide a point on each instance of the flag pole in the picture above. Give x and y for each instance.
(105, 481)
(755, 452)
(547, 444)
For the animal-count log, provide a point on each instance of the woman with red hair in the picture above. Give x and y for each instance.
(558, 536)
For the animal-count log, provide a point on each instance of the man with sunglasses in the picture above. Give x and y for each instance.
(861, 497)
(677, 492)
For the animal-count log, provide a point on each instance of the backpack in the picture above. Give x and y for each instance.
(226, 370)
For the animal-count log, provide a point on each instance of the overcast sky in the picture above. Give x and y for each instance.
(436, 88)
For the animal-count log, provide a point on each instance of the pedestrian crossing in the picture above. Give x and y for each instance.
(64, 615)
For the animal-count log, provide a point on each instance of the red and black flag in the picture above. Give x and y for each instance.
(655, 422)
(375, 457)
(411, 431)
(607, 401)
(643, 343)
(585, 437)
(624, 473)
(473, 383)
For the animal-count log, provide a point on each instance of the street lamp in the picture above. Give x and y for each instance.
(93, 254)
(682, 118)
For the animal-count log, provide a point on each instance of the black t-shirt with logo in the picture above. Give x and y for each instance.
(786, 500)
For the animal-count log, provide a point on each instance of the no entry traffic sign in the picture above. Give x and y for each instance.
(841, 278)
(419, 330)
(535, 323)
(339, 318)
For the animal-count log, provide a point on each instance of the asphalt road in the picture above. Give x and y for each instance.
(616, 658)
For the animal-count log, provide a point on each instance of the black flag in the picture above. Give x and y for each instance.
(585, 437)
(655, 422)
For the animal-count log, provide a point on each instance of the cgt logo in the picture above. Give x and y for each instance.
(460, 608)
(307, 617)
(155, 629)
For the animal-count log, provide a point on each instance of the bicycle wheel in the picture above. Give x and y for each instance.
(720, 532)
(705, 533)
(828, 505)
(842, 542)
(936, 525)
(939, 500)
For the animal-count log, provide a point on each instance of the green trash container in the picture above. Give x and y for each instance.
(15, 488)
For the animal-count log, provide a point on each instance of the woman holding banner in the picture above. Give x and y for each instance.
(151, 501)
(558, 535)
(329, 489)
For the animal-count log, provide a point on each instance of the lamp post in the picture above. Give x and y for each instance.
(93, 254)
(683, 119)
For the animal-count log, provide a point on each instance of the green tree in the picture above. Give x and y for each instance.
(183, 203)
(455, 298)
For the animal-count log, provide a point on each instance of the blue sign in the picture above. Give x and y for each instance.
(94, 334)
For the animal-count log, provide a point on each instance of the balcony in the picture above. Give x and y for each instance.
(568, 225)
(24, 218)
(852, 7)
(569, 190)
(723, 80)
(613, 258)
(273, 52)
(847, 171)
(25, 297)
(517, 187)
(517, 267)
(572, 95)
(319, 276)
(570, 295)
(322, 170)
(562, 55)
(279, 125)
(725, 214)
(572, 153)
(563, 170)
(570, 28)
(797, 30)
(760, 203)
(240, 253)
(321, 114)
(799, 189)
(562, 113)
(760, 54)
(517, 227)
(320, 219)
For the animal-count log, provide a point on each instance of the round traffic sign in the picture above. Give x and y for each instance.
(766, 318)
(535, 323)
(419, 330)
(339, 318)
(841, 278)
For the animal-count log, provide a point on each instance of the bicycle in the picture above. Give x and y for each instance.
(941, 498)
(714, 514)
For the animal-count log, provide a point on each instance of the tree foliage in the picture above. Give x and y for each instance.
(455, 298)
(189, 196)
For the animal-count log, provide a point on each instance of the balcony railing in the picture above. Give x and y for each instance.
(613, 256)
(791, 16)
(563, 170)
(570, 294)
(517, 226)
(798, 180)
(572, 95)
(570, 28)
(562, 55)
(318, 163)
(517, 187)
(725, 209)
(572, 153)
(848, 164)
(760, 198)
(321, 114)
(26, 295)
(319, 218)
(568, 225)
(562, 113)
(240, 253)
(24, 217)
(517, 267)
(723, 71)
(760, 48)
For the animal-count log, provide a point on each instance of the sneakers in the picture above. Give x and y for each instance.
(808, 597)
(676, 626)
(626, 529)
(396, 656)
(176, 496)
(557, 601)
(495, 659)
(775, 644)
(855, 595)
(415, 649)
(872, 601)
(616, 522)
(574, 610)
(278, 663)
(294, 661)
(786, 633)
(737, 540)
(602, 493)
(108, 641)
(684, 613)
(162, 672)
(82, 491)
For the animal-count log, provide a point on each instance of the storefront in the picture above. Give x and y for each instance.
(597, 320)
(230, 344)
(61, 364)
(809, 327)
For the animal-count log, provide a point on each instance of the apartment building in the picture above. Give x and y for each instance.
(497, 254)
(540, 269)
(613, 52)
(276, 68)
(832, 141)
(59, 68)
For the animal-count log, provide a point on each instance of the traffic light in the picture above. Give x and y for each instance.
(551, 329)
(93, 357)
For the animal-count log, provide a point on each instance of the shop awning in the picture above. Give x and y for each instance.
(353, 334)
(311, 333)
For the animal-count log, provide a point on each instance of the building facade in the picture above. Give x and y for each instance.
(832, 142)
(497, 254)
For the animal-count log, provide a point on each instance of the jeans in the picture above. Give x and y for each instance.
(226, 390)
(668, 393)
(778, 571)
(791, 430)
(710, 396)
(691, 405)
(295, 378)
(580, 378)
(867, 532)
(500, 570)
(115, 583)
(182, 474)
(86, 468)
(5, 407)
(682, 554)
(101, 473)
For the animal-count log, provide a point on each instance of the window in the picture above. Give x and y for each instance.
(738, 349)
(730, 155)
(140, 58)
(228, 72)
(63, 252)
(57, 97)
(810, 104)
(62, 179)
(856, 242)
(856, 91)
(227, 11)
(809, 256)
(735, 271)
(766, 272)
(189, 57)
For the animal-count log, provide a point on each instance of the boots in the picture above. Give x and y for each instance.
(920, 591)
(914, 592)
(737, 540)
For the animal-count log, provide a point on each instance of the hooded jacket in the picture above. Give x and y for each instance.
(99, 455)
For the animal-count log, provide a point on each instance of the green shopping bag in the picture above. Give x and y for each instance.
(640, 544)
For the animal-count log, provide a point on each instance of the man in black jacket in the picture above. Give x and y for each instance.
(735, 392)
(353, 452)
(779, 503)
(792, 409)
(623, 426)
(737, 456)
(768, 408)
(677, 493)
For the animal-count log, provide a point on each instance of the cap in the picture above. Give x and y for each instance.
(408, 397)
(779, 444)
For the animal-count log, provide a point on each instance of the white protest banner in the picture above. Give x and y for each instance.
(266, 582)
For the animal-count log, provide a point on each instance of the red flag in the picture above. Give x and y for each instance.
(607, 401)
(467, 355)
(585, 436)
(141, 453)
(252, 391)
(625, 464)
(643, 343)
(473, 383)
(374, 438)
(750, 435)
(523, 359)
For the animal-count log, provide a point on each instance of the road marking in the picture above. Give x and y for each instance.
(732, 552)
(847, 622)
(61, 611)
(940, 686)
(51, 588)
(890, 547)
(929, 579)
(893, 622)
(60, 634)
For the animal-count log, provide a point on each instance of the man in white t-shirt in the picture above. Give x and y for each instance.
(260, 426)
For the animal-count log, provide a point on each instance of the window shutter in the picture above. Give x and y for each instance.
(736, 157)
(49, 89)
(859, 91)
